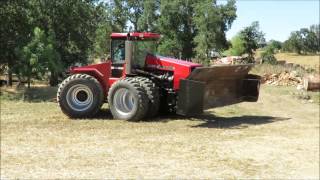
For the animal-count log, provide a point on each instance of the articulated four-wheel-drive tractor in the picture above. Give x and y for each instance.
(137, 84)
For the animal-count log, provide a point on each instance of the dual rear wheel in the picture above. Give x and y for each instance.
(131, 98)
(80, 96)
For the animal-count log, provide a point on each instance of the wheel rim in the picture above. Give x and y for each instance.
(79, 97)
(124, 101)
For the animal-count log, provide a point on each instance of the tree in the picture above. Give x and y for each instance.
(101, 46)
(119, 15)
(149, 16)
(175, 24)
(192, 26)
(312, 41)
(277, 45)
(237, 46)
(293, 44)
(316, 30)
(77, 30)
(211, 22)
(246, 41)
(134, 10)
(252, 37)
(15, 32)
(38, 56)
(267, 55)
(74, 24)
(303, 41)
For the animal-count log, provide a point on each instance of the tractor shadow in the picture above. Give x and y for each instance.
(104, 114)
(213, 121)
(205, 120)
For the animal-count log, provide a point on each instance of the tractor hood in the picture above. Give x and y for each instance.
(178, 62)
(167, 63)
(181, 69)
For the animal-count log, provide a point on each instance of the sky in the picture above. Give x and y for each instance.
(277, 18)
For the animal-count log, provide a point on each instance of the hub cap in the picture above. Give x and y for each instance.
(123, 101)
(79, 97)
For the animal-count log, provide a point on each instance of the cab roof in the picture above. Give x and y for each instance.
(135, 35)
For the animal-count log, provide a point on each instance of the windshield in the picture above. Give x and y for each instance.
(141, 49)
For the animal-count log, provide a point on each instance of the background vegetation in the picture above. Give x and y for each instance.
(40, 39)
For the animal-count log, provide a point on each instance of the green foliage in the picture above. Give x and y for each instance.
(277, 45)
(212, 21)
(14, 29)
(303, 41)
(75, 37)
(247, 41)
(38, 56)
(294, 43)
(237, 47)
(119, 15)
(101, 46)
(176, 26)
(66, 34)
(148, 19)
(252, 37)
(40, 36)
(194, 27)
(102, 40)
(133, 15)
(134, 10)
(267, 55)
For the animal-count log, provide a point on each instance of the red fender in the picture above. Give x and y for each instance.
(100, 71)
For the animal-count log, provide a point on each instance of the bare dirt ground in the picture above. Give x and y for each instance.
(277, 137)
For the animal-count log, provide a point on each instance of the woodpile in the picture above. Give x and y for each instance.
(310, 82)
(282, 79)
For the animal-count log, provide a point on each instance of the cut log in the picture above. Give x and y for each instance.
(311, 82)
(282, 62)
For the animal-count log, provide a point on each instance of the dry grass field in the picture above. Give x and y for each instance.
(312, 61)
(275, 138)
(307, 61)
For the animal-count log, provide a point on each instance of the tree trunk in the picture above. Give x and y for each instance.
(29, 81)
(53, 81)
(9, 76)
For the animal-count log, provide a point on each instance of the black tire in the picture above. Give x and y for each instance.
(136, 92)
(88, 90)
(152, 91)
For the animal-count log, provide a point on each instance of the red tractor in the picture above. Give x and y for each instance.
(138, 84)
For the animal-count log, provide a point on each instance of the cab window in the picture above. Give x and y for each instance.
(118, 51)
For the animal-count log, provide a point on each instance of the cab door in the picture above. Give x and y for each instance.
(117, 57)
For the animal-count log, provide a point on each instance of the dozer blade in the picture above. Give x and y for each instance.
(217, 86)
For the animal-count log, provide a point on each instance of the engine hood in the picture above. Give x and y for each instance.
(168, 64)
(181, 69)
(178, 62)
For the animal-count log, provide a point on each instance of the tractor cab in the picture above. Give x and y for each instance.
(129, 50)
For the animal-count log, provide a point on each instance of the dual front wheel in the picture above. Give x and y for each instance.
(131, 98)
